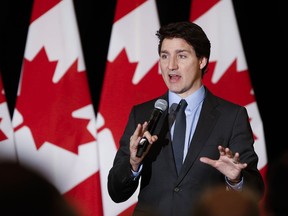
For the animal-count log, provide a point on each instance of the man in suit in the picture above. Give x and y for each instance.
(218, 145)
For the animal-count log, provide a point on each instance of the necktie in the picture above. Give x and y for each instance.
(179, 134)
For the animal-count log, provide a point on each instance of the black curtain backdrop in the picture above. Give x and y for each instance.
(262, 26)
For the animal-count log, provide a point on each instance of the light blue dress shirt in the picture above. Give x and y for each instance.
(192, 112)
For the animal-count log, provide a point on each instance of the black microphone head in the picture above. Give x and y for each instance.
(161, 104)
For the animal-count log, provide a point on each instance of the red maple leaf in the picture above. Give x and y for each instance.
(2, 135)
(119, 94)
(47, 107)
(234, 85)
(2, 100)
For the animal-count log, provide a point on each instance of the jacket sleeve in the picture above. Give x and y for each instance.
(242, 132)
(121, 182)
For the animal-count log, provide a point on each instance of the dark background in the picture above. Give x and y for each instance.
(262, 26)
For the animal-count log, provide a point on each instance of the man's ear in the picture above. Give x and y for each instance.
(203, 62)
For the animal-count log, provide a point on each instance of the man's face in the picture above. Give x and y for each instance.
(180, 67)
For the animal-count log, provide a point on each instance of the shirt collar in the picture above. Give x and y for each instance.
(193, 100)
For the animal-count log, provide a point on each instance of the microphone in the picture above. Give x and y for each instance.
(159, 107)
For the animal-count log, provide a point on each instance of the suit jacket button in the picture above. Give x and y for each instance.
(176, 189)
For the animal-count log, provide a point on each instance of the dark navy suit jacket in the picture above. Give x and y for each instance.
(162, 191)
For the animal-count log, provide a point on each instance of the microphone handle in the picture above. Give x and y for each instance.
(142, 146)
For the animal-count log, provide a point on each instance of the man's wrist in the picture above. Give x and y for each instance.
(234, 181)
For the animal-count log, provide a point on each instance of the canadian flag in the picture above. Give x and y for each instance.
(7, 144)
(228, 75)
(54, 120)
(130, 76)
